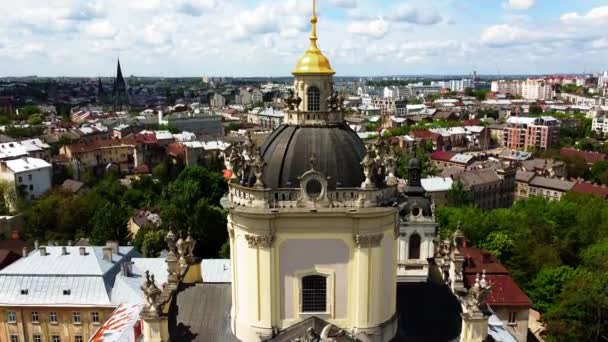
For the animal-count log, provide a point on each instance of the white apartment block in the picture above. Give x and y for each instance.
(602, 80)
(533, 89)
(512, 87)
(600, 121)
(31, 175)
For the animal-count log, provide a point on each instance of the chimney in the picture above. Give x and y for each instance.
(82, 251)
(24, 251)
(107, 253)
(127, 268)
(113, 245)
(36, 244)
(64, 250)
(42, 251)
(70, 242)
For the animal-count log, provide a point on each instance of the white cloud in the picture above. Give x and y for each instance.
(503, 35)
(519, 4)
(413, 15)
(373, 28)
(196, 7)
(101, 29)
(344, 3)
(594, 16)
(601, 43)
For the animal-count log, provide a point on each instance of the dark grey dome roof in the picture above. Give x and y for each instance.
(421, 203)
(414, 163)
(338, 151)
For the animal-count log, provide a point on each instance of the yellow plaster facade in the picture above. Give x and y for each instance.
(25, 328)
(368, 234)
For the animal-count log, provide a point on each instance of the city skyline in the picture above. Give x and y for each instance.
(262, 38)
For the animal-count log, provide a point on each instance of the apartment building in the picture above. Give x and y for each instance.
(511, 87)
(122, 152)
(523, 133)
(536, 89)
(529, 183)
(32, 177)
(60, 294)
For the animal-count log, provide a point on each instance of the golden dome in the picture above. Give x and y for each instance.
(313, 62)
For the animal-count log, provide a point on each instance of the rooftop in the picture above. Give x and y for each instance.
(26, 164)
(503, 292)
(433, 184)
(552, 183)
(588, 188)
(62, 279)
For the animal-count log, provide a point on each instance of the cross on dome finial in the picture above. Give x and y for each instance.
(313, 21)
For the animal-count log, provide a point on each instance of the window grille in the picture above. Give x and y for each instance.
(314, 99)
(314, 293)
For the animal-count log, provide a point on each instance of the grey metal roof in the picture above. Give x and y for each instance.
(88, 278)
(289, 149)
(216, 271)
(477, 177)
(552, 183)
(202, 313)
(54, 263)
(127, 289)
(524, 176)
(49, 290)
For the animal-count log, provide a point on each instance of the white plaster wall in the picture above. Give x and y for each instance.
(305, 254)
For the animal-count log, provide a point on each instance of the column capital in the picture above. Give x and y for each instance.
(368, 240)
(262, 241)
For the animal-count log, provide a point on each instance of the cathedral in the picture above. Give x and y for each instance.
(324, 246)
(120, 96)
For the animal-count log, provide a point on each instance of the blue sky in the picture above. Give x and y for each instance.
(266, 37)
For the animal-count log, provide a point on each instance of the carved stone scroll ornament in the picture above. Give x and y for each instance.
(291, 100)
(369, 240)
(152, 295)
(262, 241)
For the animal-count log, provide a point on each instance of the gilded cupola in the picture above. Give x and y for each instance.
(313, 62)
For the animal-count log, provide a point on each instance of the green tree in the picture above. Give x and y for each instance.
(576, 167)
(500, 244)
(546, 288)
(153, 243)
(110, 224)
(35, 119)
(29, 110)
(535, 110)
(458, 196)
(225, 250)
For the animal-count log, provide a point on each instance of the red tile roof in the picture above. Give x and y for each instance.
(176, 149)
(588, 188)
(589, 157)
(7, 257)
(423, 134)
(93, 146)
(477, 260)
(503, 292)
(141, 169)
(442, 155)
(146, 138)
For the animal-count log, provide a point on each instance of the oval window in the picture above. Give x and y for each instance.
(313, 188)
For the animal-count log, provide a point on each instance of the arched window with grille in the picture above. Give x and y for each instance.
(414, 247)
(314, 293)
(314, 99)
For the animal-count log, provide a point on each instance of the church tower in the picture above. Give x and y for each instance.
(120, 97)
(312, 222)
(417, 228)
